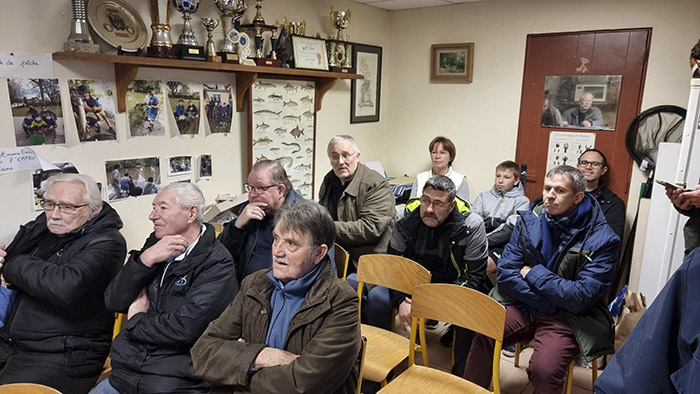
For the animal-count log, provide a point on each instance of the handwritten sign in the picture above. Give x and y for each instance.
(22, 159)
(26, 65)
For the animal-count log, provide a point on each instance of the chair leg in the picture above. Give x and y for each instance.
(423, 343)
(594, 373)
(383, 383)
(569, 377)
(516, 361)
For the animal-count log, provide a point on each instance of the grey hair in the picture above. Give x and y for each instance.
(573, 173)
(444, 184)
(92, 196)
(277, 173)
(340, 138)
(188, 195)
(310, 218)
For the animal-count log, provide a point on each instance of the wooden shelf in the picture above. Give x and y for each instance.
(126, 67)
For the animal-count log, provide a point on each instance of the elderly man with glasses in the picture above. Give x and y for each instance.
(359, 200)
(249, 236)
(593, 165)
(59, 331)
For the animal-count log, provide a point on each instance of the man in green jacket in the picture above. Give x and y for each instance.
(292, 328)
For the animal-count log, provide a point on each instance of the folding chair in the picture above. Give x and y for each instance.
(342, 258)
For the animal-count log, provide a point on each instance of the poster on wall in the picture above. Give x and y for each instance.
(144, 100)
(36, 111)
(180, 165)
(283, 128)
(39, 178)
(365, 93)
(565, 147)
(218, 107)
(183, 98)
(92, 105)
(132, 177)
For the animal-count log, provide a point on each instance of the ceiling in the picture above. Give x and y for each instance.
(393, 5)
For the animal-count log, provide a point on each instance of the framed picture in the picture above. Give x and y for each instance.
(364, 93)
(310, 53)
(452, 62)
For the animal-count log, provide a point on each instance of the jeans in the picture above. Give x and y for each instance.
(104, 388)
(376, 304)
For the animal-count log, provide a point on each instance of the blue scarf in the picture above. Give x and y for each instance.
(567, 226)
(285, 302)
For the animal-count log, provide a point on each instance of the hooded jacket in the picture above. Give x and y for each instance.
(152, 352)
(613, 208)
(576, 286)
(499, 211)
(325, 332)
(60, 305)
(251, 246)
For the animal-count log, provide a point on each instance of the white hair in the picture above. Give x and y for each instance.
(188, 195)
(340, 138)
(92, 196)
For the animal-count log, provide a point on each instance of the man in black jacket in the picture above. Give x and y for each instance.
(59, 331)
(593, 165)
(181, 279)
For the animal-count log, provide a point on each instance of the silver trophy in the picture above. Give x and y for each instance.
(161, 45)
(79, 39)
(232, 11)
(187, 8)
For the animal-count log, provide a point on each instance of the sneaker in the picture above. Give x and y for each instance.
(447, 338)
(431, 324)
(509, 351)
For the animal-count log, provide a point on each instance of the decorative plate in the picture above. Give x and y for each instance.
(116, 22)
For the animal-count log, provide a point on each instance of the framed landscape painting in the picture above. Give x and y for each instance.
(452, 62)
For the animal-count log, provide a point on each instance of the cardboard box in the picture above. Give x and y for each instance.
(215, 209)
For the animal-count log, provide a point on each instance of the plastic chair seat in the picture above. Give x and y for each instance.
(419, 379)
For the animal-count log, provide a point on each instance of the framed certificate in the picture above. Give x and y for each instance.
(310, 53)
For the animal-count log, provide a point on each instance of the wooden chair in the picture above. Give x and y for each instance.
(363, 352)
(342, 259)
(386, 349)
(119, 320)
(569, 373)
(462, 307)
(27, 388)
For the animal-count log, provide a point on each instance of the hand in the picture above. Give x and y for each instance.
(525, 270)
(270, 357)
(3, 254)
(167, 247)
(564, 123)
(139, 305)
(405, 313)
(684, 199)
(586, 123)
(252, 211)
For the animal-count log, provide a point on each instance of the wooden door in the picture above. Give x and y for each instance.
(607, 52)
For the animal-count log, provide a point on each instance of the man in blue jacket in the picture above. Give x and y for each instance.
(553, 277)
(249, 236)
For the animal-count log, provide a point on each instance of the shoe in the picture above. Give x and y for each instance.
(430, 324)
(447, 338)
(509, 351)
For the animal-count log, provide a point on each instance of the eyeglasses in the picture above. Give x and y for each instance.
(63, 208)
(335, 158)
(584, 163)
(440, 153)
(437, 204)
(258, 189)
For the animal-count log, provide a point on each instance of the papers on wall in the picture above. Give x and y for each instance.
(22, 159)
(565, 147)
(26, 65)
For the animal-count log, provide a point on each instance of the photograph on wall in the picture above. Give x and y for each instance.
(204, 168)
(92, 104)
(180, 165)
(364, 93)
(452, 63)
(36, 111)
(218, 107)
(40, 176)
(283, 128)
(565, 147)
(183, 98)
(144, 100)
(132, 177)
(180, 180)
(581, 101)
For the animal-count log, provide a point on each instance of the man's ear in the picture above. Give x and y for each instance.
(605, 169)
(192, 214)
(579, 197)
(320, 253)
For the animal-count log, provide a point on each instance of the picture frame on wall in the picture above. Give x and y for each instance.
(365, 93)
(310, 53)
(453, 63)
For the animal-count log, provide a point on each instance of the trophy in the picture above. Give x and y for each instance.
(260, 27)
(210, 24)
(232, 11)
(161, 45)
(187, 46)
(338, 49)
(79, 39)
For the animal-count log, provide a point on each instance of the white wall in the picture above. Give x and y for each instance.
(229, 152)
(482, 117)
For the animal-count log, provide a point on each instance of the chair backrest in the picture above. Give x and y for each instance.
(119, 320)
(361, 357)
(342, 258)
(27, 388)
(460, 306)
(394, 272)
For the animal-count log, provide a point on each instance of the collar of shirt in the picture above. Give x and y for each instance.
(190, 246)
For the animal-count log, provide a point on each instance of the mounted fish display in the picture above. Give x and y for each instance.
(283, 128)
